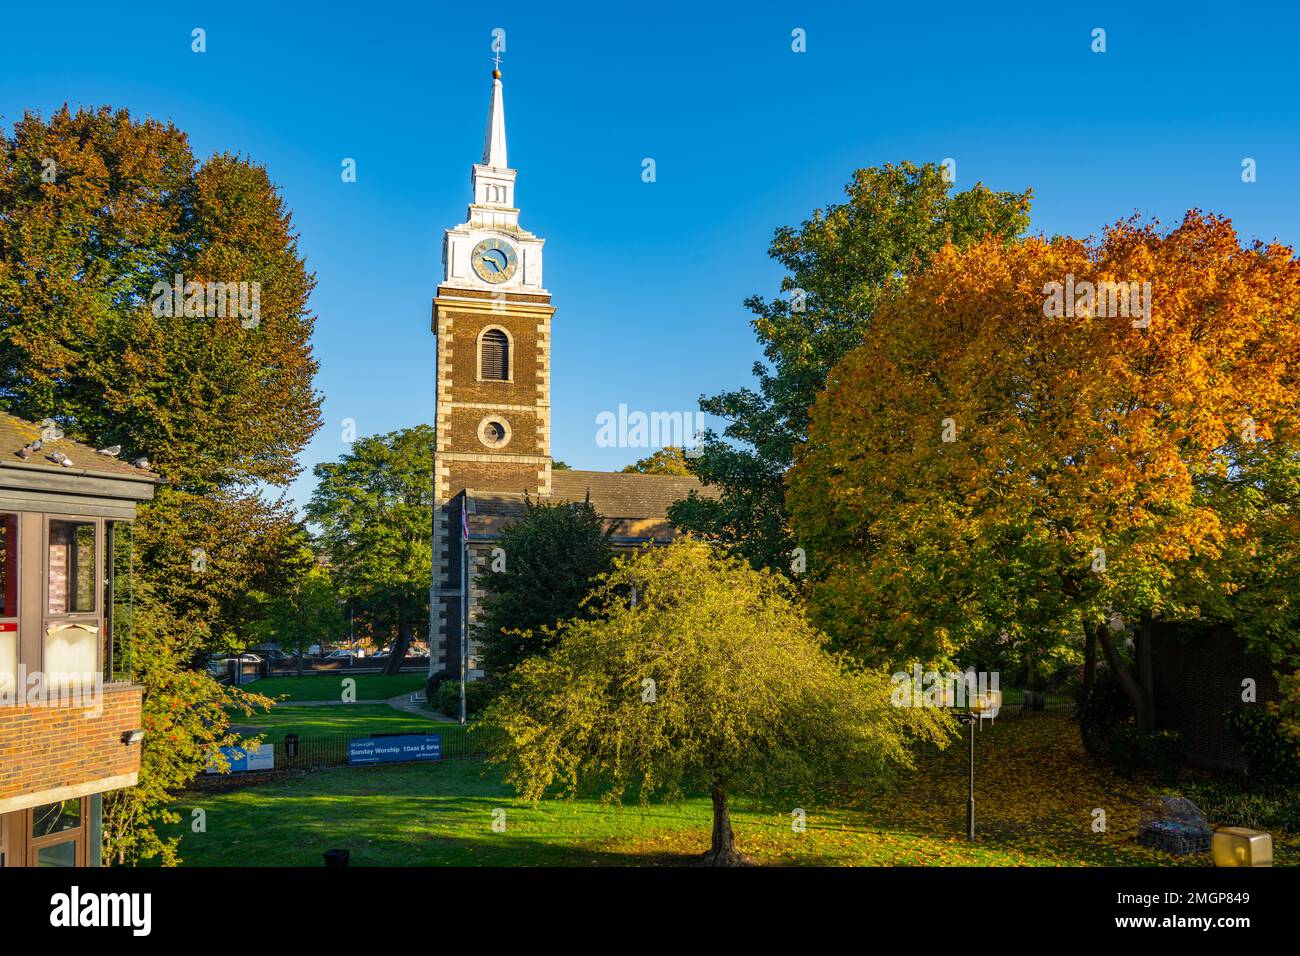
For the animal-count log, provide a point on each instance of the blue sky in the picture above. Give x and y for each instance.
(648, 278)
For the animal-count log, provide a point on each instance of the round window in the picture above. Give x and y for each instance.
(494, 432)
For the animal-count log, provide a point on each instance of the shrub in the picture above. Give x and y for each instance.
(477, 696)
(1106, 710)
(436, 681)
(1228, 801)
(1271, 756)
(1128, 750)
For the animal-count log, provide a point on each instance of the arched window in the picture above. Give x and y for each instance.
(494, 356)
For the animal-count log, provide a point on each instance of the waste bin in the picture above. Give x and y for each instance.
(335, 858)
(290, 745)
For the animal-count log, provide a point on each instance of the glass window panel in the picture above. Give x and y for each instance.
(8, 565)
(56, 818)
(71, 655)
(60, 854)
(8, 664)
(71, 572)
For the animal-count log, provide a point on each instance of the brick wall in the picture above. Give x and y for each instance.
(49, 747)
(58, 562)
(1198, 674)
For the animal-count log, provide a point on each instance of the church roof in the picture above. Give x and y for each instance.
(636, 505)
(625, 495)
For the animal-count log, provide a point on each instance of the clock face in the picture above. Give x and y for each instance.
(494, 260)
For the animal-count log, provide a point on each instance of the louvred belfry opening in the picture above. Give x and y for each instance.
(494, 358)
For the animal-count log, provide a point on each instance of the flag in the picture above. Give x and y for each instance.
(464, 524)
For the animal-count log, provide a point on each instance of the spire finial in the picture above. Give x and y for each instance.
(494, 139)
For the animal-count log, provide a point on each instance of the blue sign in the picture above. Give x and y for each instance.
(367, 750)
(240, 760)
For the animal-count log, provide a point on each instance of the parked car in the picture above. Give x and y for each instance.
(219, 666)
(343, 653)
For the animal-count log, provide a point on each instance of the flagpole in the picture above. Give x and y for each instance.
(464, 602)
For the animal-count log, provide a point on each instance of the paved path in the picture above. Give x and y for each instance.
(403, 703)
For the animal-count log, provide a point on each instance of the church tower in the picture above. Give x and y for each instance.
(492, 319)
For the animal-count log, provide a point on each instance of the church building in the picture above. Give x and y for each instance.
(492, 318)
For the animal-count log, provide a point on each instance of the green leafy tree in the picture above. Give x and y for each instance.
(212, 401)
(552, 557)
(207, 556)
(374, 507)
(708, 679)
(842, 263)
(306, 615)
(671, 460)
(97, 212)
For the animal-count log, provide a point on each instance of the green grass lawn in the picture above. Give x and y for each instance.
(356, 720)
(330, 686)
(1036, 792)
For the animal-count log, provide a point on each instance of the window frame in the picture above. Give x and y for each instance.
(91, 618)
(11, 622)
(17, 552)
(510, 353)
(77, 835)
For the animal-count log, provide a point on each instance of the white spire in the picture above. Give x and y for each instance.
(494, 137)
(493, 215)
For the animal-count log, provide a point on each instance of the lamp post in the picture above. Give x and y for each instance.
(969, 718)
(979, 704)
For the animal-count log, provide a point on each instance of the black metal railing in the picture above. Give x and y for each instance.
(305, 752)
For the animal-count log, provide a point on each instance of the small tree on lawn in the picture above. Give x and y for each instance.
(696, 673)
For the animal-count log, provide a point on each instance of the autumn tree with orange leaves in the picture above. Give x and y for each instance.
(98, 210)
(1013, 454)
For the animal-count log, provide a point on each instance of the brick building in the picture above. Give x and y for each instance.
(1199, 675)
(69, 729)
(492, 318)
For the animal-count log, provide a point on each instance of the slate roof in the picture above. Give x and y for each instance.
(613, 494)
(16, 432)
(619, 495)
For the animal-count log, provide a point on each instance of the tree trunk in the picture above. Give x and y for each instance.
(1035, 693)
(1132, 686)
(399, 647)
(1089, 667)
(723, 850)
(1146, 715)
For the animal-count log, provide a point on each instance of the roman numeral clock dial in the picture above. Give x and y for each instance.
(494, 260)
